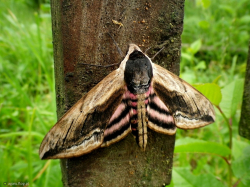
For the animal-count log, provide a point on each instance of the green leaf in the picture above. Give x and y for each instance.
(217, 79)
(188, 75)
(232, 69)
(201, 65)
(206, 3)
(53, 175)
(204, 24)
(19, 165)
(182, 177)
(190, 145)
(195, 47)
(227, 8)
(212, 91)
(232, 97)
(22, 133)
(237, 148)
(179, 180)
(186, 56)
(203, 3)
(240, 166)
(245, 19)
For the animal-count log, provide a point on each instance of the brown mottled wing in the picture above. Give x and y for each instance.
(81, 129)
(188, 106)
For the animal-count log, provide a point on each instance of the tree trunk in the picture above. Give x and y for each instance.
(80, 37)
(244, 127)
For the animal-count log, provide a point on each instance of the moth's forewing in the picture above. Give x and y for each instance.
(188, 106)
(81, 129)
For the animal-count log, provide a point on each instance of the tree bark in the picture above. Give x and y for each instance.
(244, 127)
(80, 37)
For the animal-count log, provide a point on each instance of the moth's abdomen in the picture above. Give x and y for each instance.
(139, 120)
(142, 121)
(130, 115)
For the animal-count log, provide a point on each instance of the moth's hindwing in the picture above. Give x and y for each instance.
(81, 129)
(160, 118)
(188, 106)
(119, 124)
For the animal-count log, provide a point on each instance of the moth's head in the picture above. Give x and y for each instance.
(138, 70)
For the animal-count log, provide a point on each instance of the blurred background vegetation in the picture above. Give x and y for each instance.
(215, 45)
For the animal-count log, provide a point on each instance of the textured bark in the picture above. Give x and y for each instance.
(80, 36)
(244, 127)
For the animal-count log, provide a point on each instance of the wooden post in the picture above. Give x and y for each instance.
(80, 36)
(244, 127)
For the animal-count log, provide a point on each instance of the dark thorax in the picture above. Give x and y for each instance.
(138, 73)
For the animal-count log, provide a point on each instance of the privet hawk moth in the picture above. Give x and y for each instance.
(136, 96)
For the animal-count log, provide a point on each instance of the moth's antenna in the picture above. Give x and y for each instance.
(147, 50)
(158, 52)
(162, 46)
(100, 65)
(118, 48)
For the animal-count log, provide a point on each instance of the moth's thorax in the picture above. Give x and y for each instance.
(138, 73)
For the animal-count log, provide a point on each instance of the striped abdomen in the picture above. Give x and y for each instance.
(139, 122)
(135, 113)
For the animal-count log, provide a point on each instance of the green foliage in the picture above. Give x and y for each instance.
(232, 97)
(215, 96)
(234, 152)
(214, 54)
(241, 163)
(200, 146)
(185, 178)
(27, 99)
(222, 26)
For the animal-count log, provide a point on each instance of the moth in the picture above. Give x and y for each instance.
(136, 96)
